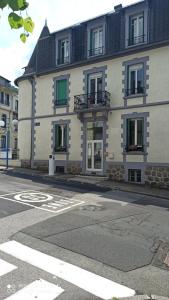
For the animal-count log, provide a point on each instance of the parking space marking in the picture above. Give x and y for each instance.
(51, 203)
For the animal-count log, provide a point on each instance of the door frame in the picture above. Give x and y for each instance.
(93, 142)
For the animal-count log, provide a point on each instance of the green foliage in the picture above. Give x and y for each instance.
(16, 20)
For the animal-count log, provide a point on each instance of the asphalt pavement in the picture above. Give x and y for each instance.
(121, 236)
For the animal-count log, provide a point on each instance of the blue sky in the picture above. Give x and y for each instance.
(14, 55)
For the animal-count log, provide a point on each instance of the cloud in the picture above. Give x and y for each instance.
(14, 55)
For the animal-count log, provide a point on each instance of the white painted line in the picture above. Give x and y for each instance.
(39, 289)
(5, 267)
(90, 282)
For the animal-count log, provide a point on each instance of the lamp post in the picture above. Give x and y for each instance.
(7, 132)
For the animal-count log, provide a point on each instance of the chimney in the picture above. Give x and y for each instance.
(117, 8)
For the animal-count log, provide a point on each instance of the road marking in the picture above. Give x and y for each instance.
(90, 282)
(5, 267)
(26, 198)
(33, 197)
(39, 289)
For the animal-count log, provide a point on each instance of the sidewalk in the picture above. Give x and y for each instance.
(93, 181)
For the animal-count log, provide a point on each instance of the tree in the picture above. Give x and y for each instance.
(15, 17)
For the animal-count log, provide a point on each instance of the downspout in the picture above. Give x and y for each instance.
(32, 82)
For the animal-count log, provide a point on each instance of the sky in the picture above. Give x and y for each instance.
(14, 55)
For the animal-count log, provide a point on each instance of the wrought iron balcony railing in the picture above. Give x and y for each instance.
(63, 60)
(136, 40)
(92, 100)
(96, 51)
(135, 91)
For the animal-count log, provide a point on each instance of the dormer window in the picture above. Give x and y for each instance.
(63, 51)
(136, 30)
(96, 41)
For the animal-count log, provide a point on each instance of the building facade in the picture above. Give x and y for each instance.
(8, 113)
(96, 96)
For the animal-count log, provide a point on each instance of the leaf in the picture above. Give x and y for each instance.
(3, 3)
(16, 5)
(23, 37)
(15, 21)
(28, 24)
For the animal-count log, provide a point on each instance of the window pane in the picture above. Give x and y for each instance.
(140, 81)
(95, 131)
(141, 26)
(60, 138)
(132, 82)
(61, 89)
(131, 132)
(140, 133)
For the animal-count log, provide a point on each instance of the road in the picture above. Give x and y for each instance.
(69, 243)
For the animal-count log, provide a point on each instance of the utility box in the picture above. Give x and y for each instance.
(51, 164)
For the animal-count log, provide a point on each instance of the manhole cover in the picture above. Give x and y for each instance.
(161, 259)
(92, 208)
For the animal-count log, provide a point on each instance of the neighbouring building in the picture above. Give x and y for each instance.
(96, 95)
(8, 113)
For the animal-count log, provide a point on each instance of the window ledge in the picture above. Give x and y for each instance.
(136, 45)
(61, 152)
(134, 153)
(135, 96)
(61, 106)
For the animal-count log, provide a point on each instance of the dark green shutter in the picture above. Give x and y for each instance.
(61, 92)
(65, 137)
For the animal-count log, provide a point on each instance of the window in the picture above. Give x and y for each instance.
(136, 30)
(135, 135)
(134, 175)
(16, 105)
(61, 92)
(96, 41)
(4, 119)
(3, 141)
(7, 99)
(60, 138)
(2, 97)
(63, 51)
(135, 83)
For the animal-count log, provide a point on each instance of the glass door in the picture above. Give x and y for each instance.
(95, 155)
(95, 88)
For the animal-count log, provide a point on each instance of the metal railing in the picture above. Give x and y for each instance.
(60, 102)
(96, 51)
(15, 153)
(135, 91)
(63, 60)
(134, 40)
(132, 148)
(92, 100)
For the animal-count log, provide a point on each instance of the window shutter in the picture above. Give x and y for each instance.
(61, 92)
(65, 137)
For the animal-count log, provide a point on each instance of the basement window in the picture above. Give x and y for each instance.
(134, 175)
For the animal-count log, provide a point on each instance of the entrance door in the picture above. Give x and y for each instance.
(94, 155)
(95, 88)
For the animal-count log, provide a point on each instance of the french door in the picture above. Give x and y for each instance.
(94, 155)
(95, 86)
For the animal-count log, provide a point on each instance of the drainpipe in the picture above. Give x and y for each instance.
(32, 82)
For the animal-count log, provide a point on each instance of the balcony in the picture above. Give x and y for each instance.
(135, 91)
(63, 60)
(92, 101)
(95, 51)
(136, 40)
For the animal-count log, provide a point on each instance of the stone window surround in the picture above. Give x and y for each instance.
(135, 166)
(92, 71)
(84, 143)
(126, 65)
(55, 79)
(61, 36)
(136, 10)
(61, 122)
(135, 115)
(93, 25)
